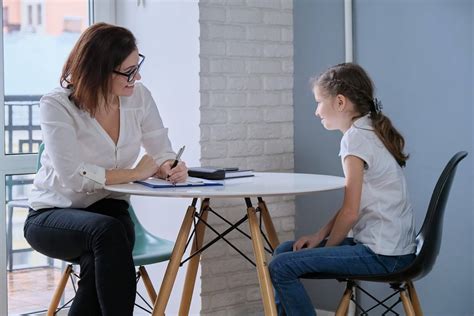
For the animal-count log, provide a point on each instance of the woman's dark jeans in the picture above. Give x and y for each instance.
(100, 238)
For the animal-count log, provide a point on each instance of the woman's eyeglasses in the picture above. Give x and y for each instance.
(132, 73)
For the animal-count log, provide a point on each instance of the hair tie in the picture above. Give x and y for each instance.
(377, 106)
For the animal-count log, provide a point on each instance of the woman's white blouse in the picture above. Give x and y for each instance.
(78, 150)
(386, 222)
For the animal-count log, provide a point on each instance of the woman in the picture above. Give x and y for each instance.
(93, 127)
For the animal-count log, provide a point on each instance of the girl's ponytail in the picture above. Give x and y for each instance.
(390, 137)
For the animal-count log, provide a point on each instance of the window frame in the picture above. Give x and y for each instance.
(99, 11)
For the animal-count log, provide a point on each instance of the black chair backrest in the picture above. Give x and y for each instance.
(429, 236)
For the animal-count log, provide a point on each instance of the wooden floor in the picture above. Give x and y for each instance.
(30, 290)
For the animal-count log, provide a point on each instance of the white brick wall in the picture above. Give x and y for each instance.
(246, 121)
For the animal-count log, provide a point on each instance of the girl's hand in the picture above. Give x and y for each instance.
(308, 241)
(145, 168)
(175, 175)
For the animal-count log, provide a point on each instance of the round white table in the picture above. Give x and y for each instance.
(262, 184)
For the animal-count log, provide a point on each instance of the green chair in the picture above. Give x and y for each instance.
(148, 249)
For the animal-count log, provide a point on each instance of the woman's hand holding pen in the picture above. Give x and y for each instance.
(174, 175)
(147, 167)
(174, 170)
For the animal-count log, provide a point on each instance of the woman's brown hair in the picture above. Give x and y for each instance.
(353, 82)
(88, 70)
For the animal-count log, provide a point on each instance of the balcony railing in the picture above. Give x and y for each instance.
(22, 129)
(22, 136)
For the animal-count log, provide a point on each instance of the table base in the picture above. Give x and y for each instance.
(197, 247)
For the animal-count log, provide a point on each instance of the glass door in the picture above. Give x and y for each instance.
(36, 39)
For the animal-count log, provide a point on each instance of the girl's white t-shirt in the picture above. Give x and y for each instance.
(386, 222)
(78, 150)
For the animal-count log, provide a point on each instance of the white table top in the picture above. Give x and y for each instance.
(262, 184)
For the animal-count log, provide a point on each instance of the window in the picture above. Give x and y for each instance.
(35, 47)
(33, 61)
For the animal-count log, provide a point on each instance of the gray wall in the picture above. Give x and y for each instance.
(319, 43)
(420, 56)
(472, 160)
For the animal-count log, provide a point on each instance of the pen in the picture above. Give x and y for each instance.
(180, 152)
(176, 160)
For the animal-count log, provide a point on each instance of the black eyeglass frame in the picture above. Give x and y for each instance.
(131, 74)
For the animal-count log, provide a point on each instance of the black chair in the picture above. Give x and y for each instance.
(428, 242)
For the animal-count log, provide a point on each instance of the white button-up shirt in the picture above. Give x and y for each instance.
(78, 150)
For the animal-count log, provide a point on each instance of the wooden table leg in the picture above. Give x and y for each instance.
(267, 221)
(194, 261)
(175, 260)
(266, 288)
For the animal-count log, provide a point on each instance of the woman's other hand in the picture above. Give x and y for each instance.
(175, 175)
(145, 168)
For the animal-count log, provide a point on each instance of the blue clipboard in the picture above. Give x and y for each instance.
(191, 182)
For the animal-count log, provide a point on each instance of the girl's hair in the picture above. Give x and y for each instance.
(354, 83)
(88, 70)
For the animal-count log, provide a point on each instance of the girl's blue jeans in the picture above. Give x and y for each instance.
(349, 257)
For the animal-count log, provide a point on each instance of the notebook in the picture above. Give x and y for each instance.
(212, 173)
(238, 174)
(191, 182)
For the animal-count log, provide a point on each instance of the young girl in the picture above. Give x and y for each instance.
(375, 204)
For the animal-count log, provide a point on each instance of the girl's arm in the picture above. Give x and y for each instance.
(326, 229)
(311, 241)
(348, 214)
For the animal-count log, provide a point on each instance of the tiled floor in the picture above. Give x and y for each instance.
(31, 289)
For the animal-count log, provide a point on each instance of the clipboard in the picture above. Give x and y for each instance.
(191, 182)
